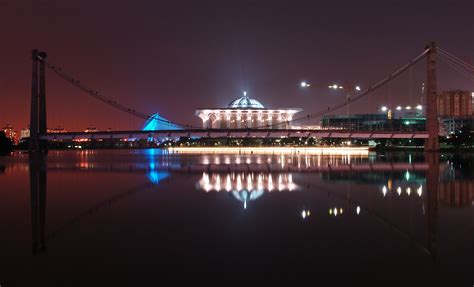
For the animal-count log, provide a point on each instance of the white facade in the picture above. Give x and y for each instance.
(244, 113)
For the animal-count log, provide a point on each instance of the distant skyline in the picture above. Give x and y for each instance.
(172, 57)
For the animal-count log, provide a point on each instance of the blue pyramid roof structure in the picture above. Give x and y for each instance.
(157, 122)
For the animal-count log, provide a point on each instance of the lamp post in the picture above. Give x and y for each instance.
(349, 88)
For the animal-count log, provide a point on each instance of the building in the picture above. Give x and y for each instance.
(24, 133)
(11, 133)
(373, 122)
(246, 112)
(455, 103)
(449, 125)
(157, 122)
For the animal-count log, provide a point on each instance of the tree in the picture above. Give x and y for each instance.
(6, 144)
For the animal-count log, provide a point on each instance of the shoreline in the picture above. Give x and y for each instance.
(271, 150)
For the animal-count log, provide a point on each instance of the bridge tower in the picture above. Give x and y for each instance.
(38, 125)
(432, 125)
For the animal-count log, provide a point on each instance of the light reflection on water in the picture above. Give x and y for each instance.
(420, 207)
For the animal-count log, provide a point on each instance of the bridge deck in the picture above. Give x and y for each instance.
(238, 133)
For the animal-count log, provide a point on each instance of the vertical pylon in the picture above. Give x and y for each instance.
(34, 131)
(432, 126)
(38, 102)
(42, 101)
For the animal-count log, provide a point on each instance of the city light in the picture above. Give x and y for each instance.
(357, 88)
(419, 190)
(408, 108)
(304, 84)
(384, 108)
(399, 108)
(419, 107)
(305, 213)
(272, 150)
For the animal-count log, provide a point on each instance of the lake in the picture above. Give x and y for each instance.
(142, 211)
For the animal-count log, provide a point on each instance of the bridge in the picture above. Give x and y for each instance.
(236, 133)
(39, 135)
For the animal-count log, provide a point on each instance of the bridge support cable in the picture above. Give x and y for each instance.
(457, 64)
(113, 103)
(361, 94)
(456, 59)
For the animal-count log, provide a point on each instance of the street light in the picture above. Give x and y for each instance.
(349, 88)
(304, 84)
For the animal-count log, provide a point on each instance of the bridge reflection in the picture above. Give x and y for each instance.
(250, 178)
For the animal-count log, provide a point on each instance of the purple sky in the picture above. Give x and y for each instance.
(172, 57)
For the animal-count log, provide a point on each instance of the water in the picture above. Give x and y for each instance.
(82, 213)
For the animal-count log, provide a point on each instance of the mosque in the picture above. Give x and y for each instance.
(246, 112)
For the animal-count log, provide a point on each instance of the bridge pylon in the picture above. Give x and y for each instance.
(432, 125)
(38, 124)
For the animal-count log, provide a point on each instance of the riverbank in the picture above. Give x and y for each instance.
(271, 150)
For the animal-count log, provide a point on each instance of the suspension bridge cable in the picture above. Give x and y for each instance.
(460, 65)
(95, 94)
(357, 96)
(458, 69)
(456, 59)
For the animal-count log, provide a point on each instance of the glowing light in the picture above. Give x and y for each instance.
(156, 122)
(280, 184)
(245, 93)
(228, 185)
(419, 107)
(218, 183)
(271, 150)
(249, 183)
(408, 107)
(260, 182)
(335, 211)
(384, 190)
(399, 190)
(239, 182)
(419, 190)
(358, 210)
(399, 108)
(357, 88)
(270, 183)
(384, 108)
(407, 175)
(408, 190)
(304, 214)
(304, 84)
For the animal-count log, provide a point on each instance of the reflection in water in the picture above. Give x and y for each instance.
(246, 186)
(248, 178)
(38, 181)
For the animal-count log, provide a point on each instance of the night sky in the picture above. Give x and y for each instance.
(172, 57)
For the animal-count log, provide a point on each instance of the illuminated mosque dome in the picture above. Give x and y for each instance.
(245, 112)
(157, 122)
(245, 103)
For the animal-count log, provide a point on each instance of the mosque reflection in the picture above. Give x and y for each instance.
(247, 178)
(246, 186)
